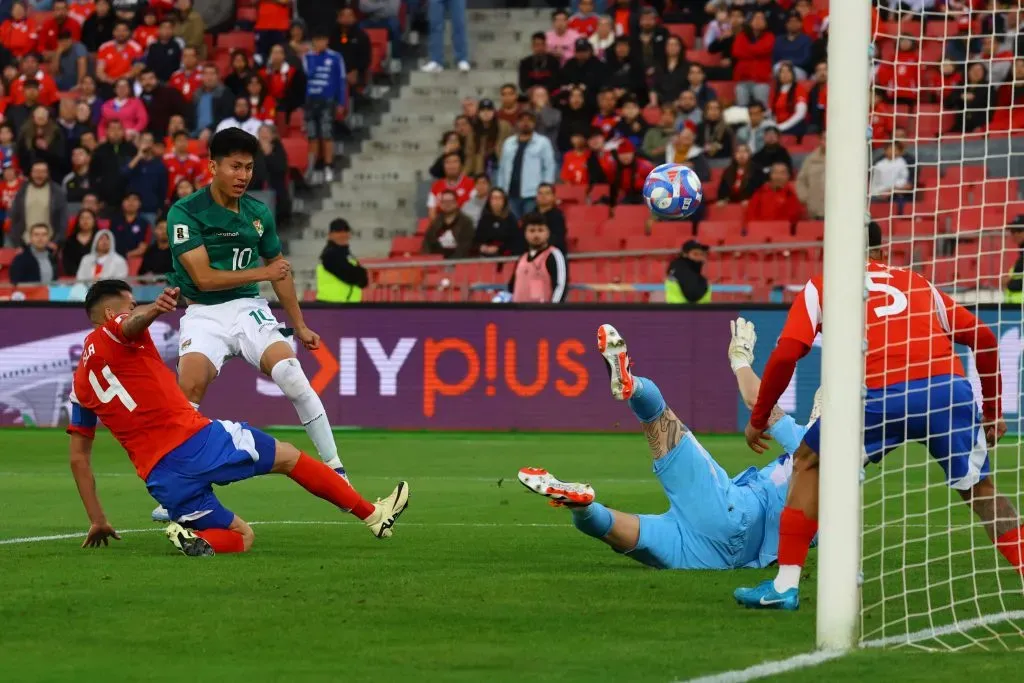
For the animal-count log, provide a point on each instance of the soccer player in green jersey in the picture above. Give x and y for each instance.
(223, 244)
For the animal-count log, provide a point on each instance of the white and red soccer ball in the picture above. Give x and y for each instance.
(673, 192)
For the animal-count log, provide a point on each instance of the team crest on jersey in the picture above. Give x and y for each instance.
(258, 224)
(180, 233)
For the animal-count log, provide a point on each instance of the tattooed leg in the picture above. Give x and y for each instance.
(664, 433)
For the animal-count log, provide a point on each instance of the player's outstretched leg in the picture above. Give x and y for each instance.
(320, 480)
(280, 364)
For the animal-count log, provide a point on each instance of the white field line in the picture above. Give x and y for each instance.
(818, 657)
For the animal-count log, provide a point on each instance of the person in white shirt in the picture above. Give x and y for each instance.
(243, 118)
(474, 206)
(891, 175)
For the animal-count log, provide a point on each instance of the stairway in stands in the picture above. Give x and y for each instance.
(379, 191)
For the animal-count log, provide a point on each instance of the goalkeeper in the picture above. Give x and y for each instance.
(713, 521)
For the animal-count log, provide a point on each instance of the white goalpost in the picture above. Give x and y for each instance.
(902, 560)
(843, 321)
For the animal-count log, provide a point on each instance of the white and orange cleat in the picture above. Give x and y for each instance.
(558, 492)
(613, 347)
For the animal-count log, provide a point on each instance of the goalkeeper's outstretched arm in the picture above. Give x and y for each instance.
(741, 358)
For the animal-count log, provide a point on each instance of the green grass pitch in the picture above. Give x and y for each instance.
(482, 581)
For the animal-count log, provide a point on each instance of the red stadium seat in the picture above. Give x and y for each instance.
(956, 175)
(686, 32)
(592, 242)
(728, 212)
(134, 263)
(406, 246)
(297, 151)
(810, 231)
(716, 233)
(632, 215)
(766, 232)
(585, 218)
(378, 49)
(421, 226)
(652, 115)
(245, 15)
(197, 147)
(703, 57)
(571, 194)
(726, 91)
(297, 120)
(597, 192)
(656, 240)
(238, 40)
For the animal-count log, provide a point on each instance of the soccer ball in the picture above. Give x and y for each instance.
(673, 192)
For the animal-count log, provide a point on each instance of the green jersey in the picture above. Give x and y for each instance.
(233, 241)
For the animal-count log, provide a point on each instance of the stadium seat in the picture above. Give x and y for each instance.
(421, 226)
(378, 49)
(594, 242)
(197, 147)
(238, 40)
(297, 120)
(763, 232)
(810, 231)
(405, 246)
(703, 57)
(726, 91)
(297, 151)
(656, 240)
(652, 115)
(633, 215)
(727, 212)
(222, 60)
(598, 192)
(246, 16)
(716, 233)
(686, 32)
(134, 264)
(585, 218)
(955, 175)
(571, 194)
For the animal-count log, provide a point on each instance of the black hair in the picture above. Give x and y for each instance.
(319, 32)
(179, 133)
(539, 35)
(509, 85)
(534, 218)
(167, 20)
(447, 156)
(126, 24)
(30, 83)
(103, 290)
(233, 141)
(147, 70)
(547, 185)
(758, 104)
(559, 11)
(874, 235)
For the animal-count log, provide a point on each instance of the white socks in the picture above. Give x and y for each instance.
(288, 375)
(788, 577)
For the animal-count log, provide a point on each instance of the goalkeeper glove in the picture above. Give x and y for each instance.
(741, 346)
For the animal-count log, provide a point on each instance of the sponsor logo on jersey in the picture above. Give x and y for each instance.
(185, 344)
(180, 233)
(258, 224)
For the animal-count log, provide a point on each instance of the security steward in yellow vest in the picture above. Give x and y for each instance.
(339, 277)
(685, 284)
(1013, 282)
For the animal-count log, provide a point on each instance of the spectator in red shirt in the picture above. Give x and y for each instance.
(789, 102)
(120, 57)
(883, 119)
(30, 71)
(454, 181)
(752, 61)
(18, 34)
(279, 75)
(189, 78)
(181, 165)
(80, 10)
(901, 77)
(606, 118)
(585, 20)
(626, 174)
(740, 179)
(146, 32)
(58, 22)
(776, 200)
(273, 17)
(262, 105)
(575, 162)
(810, 18)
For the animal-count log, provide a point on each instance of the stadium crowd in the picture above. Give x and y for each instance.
(735, 89)
(106, 108)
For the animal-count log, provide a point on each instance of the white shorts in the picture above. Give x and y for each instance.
(242, 327)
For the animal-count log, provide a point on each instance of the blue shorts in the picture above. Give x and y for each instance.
(220, 453)
(713, 522)
(938, 411)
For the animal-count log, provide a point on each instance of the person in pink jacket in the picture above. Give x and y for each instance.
(752, 61)
(127, 109)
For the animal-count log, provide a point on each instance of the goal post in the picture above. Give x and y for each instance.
(842, 368)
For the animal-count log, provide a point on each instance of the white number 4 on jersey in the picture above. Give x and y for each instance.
(114, 389)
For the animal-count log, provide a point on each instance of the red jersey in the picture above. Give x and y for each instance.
(126, 384)
(48, 34)
(8, 191)
(278, 81)
(583, 24)
(20, 37)
(187, 82)
(145, 35)
(48, 92)
(273, 15)
(785, 103)
(190, 168)
(575, 167)
(909, 326)
(883, 121)
(463, 189)
(118, 60)
(264, 110)
(80, 10)
(900, 78)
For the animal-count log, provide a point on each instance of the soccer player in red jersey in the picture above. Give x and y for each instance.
(178, 452)
(917, 391)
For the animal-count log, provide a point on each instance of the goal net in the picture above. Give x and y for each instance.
(946, 129)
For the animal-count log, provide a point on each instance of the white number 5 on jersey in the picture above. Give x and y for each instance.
(114, 389)
(899, 299)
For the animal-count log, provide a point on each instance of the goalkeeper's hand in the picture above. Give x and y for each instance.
(741, 346)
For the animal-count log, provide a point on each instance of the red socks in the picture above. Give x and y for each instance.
(323, 482)
(1011, 546)
(796, 532)
(223, 540)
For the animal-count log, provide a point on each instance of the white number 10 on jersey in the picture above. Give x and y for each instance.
(114, 389)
